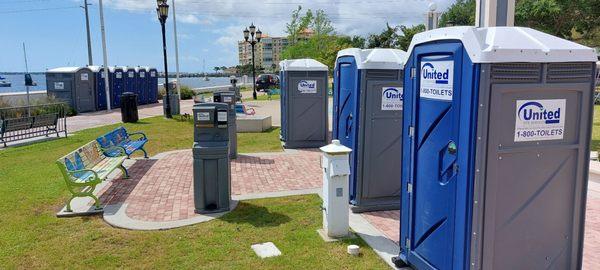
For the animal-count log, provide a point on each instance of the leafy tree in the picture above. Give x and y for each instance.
(216, 69)
(407, 35)
(386, 39)
(460, 13)
(297, 24)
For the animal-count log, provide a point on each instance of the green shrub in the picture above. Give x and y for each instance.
(186, 92)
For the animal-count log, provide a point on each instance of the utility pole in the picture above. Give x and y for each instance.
(26, 83)
(106, 82)
(87, 26)
(491, 13)
(176, 51)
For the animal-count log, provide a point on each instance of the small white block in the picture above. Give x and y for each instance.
(353, 250)
(266, 250)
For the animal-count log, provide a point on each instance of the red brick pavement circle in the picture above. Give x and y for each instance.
(162, 190)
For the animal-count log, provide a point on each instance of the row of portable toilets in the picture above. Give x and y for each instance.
(480, 136)
(84, 87)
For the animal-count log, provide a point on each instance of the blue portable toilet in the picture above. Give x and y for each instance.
(142, 85)
(131, 81)
(152, 85)
(99, 87)
(497, 124)
(117, 75)
(367, 117)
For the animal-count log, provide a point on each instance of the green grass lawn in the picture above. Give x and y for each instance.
(595, 144)
(32, 191)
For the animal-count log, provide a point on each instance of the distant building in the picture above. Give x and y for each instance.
(268, 51)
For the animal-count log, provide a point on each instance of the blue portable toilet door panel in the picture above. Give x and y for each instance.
(435, 150)
(100, 90)
(346, 111)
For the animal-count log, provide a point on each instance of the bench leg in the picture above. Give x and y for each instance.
(145, 153)
(69, 209)
(124, 170)
(96, 202)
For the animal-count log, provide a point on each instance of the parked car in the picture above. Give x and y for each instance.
(266, 81)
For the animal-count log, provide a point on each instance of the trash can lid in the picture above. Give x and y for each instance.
(302, 65)
(376, 58)
(509, 44)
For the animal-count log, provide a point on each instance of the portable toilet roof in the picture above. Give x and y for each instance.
(509, 44)
(376, 58)
(65, 69)
(302, 65)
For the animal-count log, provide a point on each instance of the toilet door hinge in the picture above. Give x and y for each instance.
(413, 72)
(411, 131)
(407, 243)
(409, 188)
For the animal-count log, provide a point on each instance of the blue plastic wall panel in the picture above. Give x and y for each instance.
(436, 215)
(142, 86)
(118, 86)
(100, 90)
(346, 106)
(153, 86)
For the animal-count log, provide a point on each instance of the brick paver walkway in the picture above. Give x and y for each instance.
(162, 190)
(388, 222)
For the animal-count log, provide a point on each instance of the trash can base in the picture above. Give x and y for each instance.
(203, 211)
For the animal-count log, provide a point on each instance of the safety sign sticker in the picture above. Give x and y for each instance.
(203, 116)
(540, 120)
(222, 116)
(142, 74)
(391, 98)
(59, 85)
(84, 77)
(437, 80)
(130, 74)
(307, 86)
(119, 75)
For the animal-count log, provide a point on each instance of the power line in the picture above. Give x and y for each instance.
(35, 10)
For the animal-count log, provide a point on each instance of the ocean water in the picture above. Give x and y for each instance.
(18, 82)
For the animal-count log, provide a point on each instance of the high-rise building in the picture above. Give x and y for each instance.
(268, 51)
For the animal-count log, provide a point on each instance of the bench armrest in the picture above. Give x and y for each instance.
(72, 173)
(138, 133)
(112, 148)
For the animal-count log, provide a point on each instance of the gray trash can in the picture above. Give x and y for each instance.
(212, 173)
(129, 111)
(224, 96)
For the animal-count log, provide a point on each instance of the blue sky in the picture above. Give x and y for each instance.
(54, 30)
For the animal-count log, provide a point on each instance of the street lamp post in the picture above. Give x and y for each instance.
(163, 12)
(253, 37)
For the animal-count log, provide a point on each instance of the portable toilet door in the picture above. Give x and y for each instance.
(495, 149)
(99, 87)
(131, 80)
(142, 85)
(304, 103)
(60, 83)
(84, 90)
(153, 85)
(368, 118)
(117, 81)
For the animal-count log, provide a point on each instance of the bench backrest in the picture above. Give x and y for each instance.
(45, 120)
(84, 157)
(113, 138)
(14, 124)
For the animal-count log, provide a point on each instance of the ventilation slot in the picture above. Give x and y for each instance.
(516, 73)
(382, 74)
(569, 72)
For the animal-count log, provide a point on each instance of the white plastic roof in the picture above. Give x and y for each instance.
(96, 68)
(376, 58)
(302, 65)
(509, 44)
(64, 70)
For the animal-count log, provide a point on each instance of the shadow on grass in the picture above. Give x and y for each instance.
(256, 216)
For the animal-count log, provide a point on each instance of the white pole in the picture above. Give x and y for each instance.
(176, 50)
(490, 13)
(106, 82)
(26, 85)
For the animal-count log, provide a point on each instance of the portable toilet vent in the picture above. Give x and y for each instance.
(367, 117)
(304, 97)
(496, 145)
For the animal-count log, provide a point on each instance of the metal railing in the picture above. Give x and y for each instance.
(26, 122)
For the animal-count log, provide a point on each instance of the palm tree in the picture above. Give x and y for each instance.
(216, 69)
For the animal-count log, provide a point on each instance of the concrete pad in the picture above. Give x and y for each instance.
(253, 123)
(266, 250)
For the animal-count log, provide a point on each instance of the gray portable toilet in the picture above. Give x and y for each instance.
(304, 121)
(74, 85)
(367, 117)
(496, 149)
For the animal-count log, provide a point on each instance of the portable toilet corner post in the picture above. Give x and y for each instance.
(495, 149)
(367, 117)
(152, 85)
(117, 75)
(304, 103)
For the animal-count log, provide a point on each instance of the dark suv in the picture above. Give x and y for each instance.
(266, 81)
